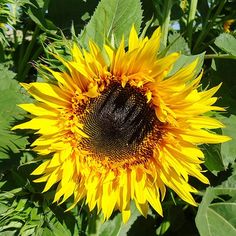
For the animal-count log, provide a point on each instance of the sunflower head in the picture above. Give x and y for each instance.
(121, 129)
(229, 25)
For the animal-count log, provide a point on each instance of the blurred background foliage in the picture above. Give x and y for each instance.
(30, 29)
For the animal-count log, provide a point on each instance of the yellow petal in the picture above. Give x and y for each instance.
(47, 93)
(41, 169)
(154, 199)
(205, 122)
(37, 123)
(202, 136)
(55, 176)
(133, 39)
(126, 215)
(39, 109)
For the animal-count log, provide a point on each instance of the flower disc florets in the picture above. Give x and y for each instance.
(119, 123)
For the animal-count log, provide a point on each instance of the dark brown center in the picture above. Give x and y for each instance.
(118, 121)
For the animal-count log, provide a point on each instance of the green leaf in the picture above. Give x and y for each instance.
(57, 228)
(163, 228)
(136, 225)
(112, 20)
(216, 213)
(213, 158)
(12, 224)
(231, 181)
(177, 44)
(111, 227)
(125, 228)
(228, 149)
(17, 206)
(10, 95)
(96, 226)
(227, 43)
(37, 12)
(185, 60)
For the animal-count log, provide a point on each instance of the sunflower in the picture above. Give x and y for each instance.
(229, 25)
(120, 128)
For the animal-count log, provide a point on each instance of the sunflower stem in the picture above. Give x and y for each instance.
(166, 21)
(28, 65)
(219, 56)
(208, 26)
(28, 52)
(191, 18)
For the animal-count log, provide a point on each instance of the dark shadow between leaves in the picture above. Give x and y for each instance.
(143, 226)
(221, 198)
(11, 162)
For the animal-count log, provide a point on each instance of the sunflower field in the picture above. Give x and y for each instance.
(117, 117)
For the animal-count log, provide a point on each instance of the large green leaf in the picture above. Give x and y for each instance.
(111, 227)
(228, 149)
(10, 95)
(111, 21)
(216, 213)
(227, 43)
(231, 181)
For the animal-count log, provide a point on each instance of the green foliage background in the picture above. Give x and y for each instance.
(30, 29)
